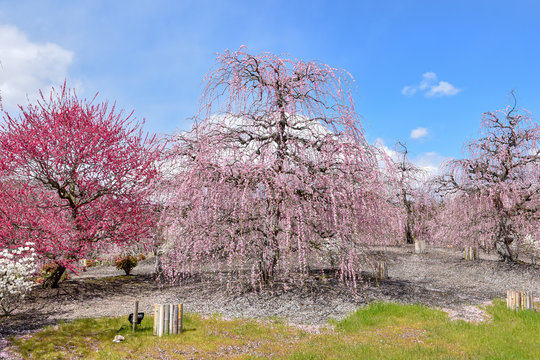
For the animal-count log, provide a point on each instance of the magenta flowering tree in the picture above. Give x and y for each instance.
(275, 177)
(74, 176)
(493, 196)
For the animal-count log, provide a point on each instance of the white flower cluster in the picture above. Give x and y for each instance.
(532, 243)
(16, 269)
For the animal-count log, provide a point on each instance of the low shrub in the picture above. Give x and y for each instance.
(126, 263)
(16, 276)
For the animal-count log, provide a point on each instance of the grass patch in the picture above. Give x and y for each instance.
(378, 331)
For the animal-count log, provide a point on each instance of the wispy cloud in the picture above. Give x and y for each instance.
(28, 66)
(379, 143)
(430, 86)
(418, 133)
(431, 162)
(443, 88)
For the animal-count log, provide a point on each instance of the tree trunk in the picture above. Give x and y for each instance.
(267, 267)
(52, 281)
(503, 249)
(408, 233)
(504, 238)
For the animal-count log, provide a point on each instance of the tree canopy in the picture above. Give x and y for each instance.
(75, 176)
(493, 196)
(276, 176)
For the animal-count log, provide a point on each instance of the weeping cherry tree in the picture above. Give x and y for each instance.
(275, 177)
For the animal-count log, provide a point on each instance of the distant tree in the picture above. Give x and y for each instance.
(74, 176)
(408, 177)
(275, 175)
(494, 194)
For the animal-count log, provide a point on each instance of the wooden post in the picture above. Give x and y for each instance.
(171, 318)
(516, 300)
(174, 322)
(181, 318)
(135, 316)
(471, 253)
(419, 246)
(382, 270)
(156, 312)
(166, 318)
(160, 320)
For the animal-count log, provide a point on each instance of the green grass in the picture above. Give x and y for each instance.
(379, 331)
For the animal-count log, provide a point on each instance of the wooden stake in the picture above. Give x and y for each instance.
(135, 316)
(174, 319)
(167, 318)
(419, 246)
(160, 320)
(382, 270)
(171, 318)
(156, 312)
(181, 317)
(516, 300)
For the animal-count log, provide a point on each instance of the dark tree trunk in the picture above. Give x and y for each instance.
(503, 249)
(505, 237)
(267, 267)
(408, 234)
(53, 280)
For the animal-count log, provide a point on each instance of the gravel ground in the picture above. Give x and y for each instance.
(440, 278)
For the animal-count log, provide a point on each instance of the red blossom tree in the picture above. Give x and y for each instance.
(493, 196)
(74, 176)
(275, 176)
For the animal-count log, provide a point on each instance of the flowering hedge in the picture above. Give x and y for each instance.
(17, 267)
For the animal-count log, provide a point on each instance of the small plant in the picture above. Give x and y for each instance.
(46, 272)
(141, 257)
(126, 263)
(47, 269)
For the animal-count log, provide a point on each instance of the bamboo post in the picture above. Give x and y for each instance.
(516, 300)
(382, 270)
(168, 319)
(174, 317)
(171, 318)
(160, 320)
(419, 246)
(156, 312)
(471, 253)
(135, 316)
(181, 318)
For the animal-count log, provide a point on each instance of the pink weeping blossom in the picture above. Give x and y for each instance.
(493, 196)
(275, 178)
(74, 176)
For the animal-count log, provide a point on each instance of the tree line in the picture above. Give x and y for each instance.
(274, 178)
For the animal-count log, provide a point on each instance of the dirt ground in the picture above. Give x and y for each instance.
(440, 278)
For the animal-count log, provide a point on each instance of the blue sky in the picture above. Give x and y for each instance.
(425, 71)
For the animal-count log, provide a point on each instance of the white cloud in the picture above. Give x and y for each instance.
(408, 90)
(379, 143)
(443, 88)
(419, 133)
(430, 162)
(430, 87)
(27, 67)
(427, 79)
